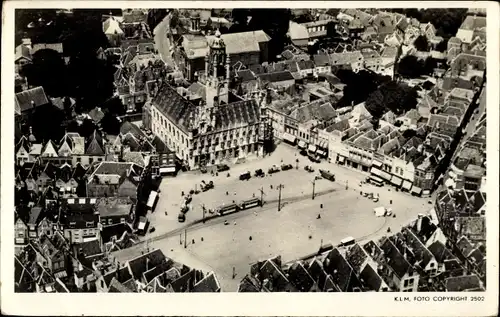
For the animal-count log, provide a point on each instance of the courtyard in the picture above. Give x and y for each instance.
(292, 232)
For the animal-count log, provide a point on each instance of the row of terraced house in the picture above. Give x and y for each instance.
(418, 258)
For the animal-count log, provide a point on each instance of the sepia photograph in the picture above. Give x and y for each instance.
(251, 150)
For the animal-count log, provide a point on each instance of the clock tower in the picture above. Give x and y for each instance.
(218, 74)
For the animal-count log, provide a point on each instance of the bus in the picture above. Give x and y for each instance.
(250, 203)
(347, 241)
(153, 198)
(228, 209)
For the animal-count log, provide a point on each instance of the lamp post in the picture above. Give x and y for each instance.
(280, 186)
(314, 186)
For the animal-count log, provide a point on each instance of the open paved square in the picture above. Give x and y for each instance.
(292, 232)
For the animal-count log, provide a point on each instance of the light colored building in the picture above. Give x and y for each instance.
(215, 131)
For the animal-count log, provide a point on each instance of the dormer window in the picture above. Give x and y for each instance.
(89, 224)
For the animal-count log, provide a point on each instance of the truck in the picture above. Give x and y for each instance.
(245, 176)
(286, 167)
(327, 175)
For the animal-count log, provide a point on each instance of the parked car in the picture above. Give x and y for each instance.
(260, 173)
(309, 168)
(203, 169)
(245, 176)
(286, 167)
(222, 168)
(181, 217)
(152, 230)
(273, 169)
(206, 186)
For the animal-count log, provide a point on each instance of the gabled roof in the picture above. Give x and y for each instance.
(95, 145)
(463, 283)
(117, 287)
(440, 252)
(276, 77)
(370, 278)
(208, 284)
(96, 114)
(300, 278)
(395, 259)
(243, 42)
(140, 264)
(30, 99)
(22, 51)
(49, 149)
(175, 107)
(341, 271)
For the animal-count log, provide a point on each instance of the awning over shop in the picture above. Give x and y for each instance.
(312, 148)
(406, 185)
(416, 190)
(377, 163)
(321, 153)
(341, 159)
(376, 178)
(170, 169)
(289, 138)
(396, 181)
(302, 144)
(381, 173)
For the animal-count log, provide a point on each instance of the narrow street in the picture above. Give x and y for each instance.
(162, 43)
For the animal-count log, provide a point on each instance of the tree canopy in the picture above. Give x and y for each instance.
(412, 67)
(391, 96)
(358, 85)
(446, 21)
(49, 71)
(421, 43)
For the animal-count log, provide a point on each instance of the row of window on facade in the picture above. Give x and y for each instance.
(229, 153)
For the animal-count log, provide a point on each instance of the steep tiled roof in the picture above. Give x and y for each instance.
(440, 252)
(463, 283)
(341, 272)
(357, 257)
(95, 145)
(207, 284)
(175, 107)
(30, 99)
(243, 42)
(319, 110)
(300, 278)
(371, 278)
(237, 114)
(140, 264)
(276, 77)
(395, 259)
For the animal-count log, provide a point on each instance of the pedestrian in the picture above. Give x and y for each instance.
(319, 216)
(234, 193)
(271, 186)
(235, 223)
(227, 193)
(253, 195)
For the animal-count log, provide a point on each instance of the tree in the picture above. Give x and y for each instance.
(442, 46)
(421, 43)
(408, 134)
(49, 71)
(358, 85)
(393, 96)
(412, 67)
